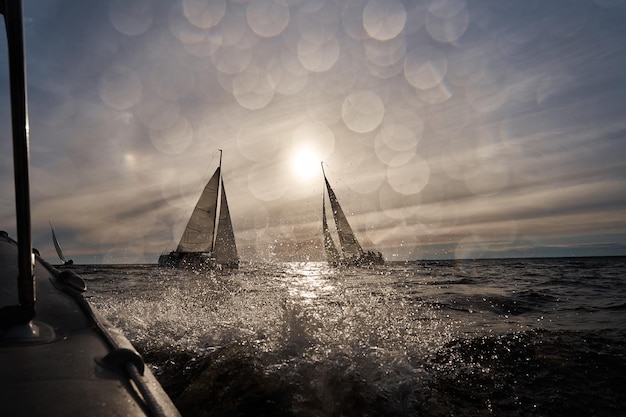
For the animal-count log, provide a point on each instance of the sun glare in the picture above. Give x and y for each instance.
(306, 163)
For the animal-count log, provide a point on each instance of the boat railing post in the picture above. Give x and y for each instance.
(12, 11)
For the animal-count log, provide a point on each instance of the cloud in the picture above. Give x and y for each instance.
(442, 125)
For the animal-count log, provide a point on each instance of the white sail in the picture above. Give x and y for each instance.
(351, 253)
(347, 240)
(332, 254)
(225, 249)
(56, 245)
(198, 235)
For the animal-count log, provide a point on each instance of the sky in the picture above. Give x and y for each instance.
(449, 129)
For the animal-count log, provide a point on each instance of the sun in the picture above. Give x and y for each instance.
(306, 163)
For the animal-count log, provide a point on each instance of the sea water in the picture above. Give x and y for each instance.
(522, 337)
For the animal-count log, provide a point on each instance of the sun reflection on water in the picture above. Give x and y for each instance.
(309, 280)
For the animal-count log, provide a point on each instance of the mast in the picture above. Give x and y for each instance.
(12, 11)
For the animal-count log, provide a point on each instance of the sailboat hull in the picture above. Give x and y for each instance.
(68, 360)
(193, 260)
(366, 259)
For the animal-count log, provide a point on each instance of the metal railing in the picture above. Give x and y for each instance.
(12, 11)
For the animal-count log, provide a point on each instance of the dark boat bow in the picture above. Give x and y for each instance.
(58, 357)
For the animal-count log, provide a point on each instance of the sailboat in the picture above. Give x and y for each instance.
(57, 246)
(208, 240)
(350, 253)
(58, 355)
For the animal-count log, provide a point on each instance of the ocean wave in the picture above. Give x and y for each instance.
(615, 307)
(304, 341)
(517, 374)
